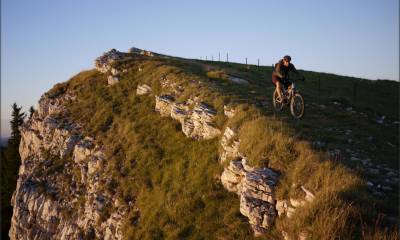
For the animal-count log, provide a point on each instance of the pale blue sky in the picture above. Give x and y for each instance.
(44, 42)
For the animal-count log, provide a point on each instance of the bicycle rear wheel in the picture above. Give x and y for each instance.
(297, 106)
(277, 101)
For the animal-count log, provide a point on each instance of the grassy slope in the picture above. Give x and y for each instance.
(174, 180)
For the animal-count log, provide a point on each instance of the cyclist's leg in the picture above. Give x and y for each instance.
(279, 88)
(278, 85)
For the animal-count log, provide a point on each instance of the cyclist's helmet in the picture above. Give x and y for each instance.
(287, 57)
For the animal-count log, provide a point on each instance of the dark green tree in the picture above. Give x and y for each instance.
(31, 111)
(17, 119)
(10, 161)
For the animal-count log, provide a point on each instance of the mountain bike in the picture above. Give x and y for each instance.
(293, 97)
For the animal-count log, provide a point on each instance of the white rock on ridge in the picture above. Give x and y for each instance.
(229, 111)
(230, 146)
(255, 187)
(143, 89)
(164, 105)
(303, 235)
(282, 207)
(256, 190)
(104, 62)
(115, 71)
(232, 176)
(134, 50)
(112, 80)
(237, 80)
(58, 193)
(200, 123)
(196, 123)
(179, 111)
(309, 195)
(288, 207)
(147, 53)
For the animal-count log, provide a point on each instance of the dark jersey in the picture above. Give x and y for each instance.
(282, 71)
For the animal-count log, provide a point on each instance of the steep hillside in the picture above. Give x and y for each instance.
(154, 147)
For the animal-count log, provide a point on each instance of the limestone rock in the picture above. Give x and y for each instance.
(288, 207)
(104, 62)
(134, 50)
(232, 176)
(230, 146)
(309, 195)
(261, 214)
(281, 207)
(237, 80)
(200, 125)
(143, 89)
(146, 53)
(196, 123)
(58, 193)
(112, 80)
(179, 111)
(256, 190)
(229, 111)
(164, 104)
(115, 71)
(297, 202)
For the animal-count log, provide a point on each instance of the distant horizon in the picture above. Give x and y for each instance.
(5, 125)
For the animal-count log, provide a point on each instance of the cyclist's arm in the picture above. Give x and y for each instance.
(297, 72)
(278, 70)
(294, 69)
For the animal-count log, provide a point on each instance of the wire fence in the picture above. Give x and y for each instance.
(211, 58)
(351, 90)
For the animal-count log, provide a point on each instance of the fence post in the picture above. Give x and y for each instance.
(246, 61)
(219, 57)
(258, 62)
(355, 92)
(319, 89)
(227, 60)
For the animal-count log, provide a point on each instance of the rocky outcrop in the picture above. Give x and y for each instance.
(104, 62)
(288, 207)
(164, 105)
(230, 146)
(143, 89)
(255, 188)
(112, 80)
(229, 111)
(135, 50)
(140, 51)
(237, 80)
(60, 190)
(197, 123)
(200, 123)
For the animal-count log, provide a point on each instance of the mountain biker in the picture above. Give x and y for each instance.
(280, 75)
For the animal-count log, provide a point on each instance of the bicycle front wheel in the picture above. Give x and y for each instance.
(297, 106)
(277, 101)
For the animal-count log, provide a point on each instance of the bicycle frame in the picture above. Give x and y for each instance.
(290, 90)
(293, 97)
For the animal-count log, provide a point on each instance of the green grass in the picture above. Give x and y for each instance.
(174, 181)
